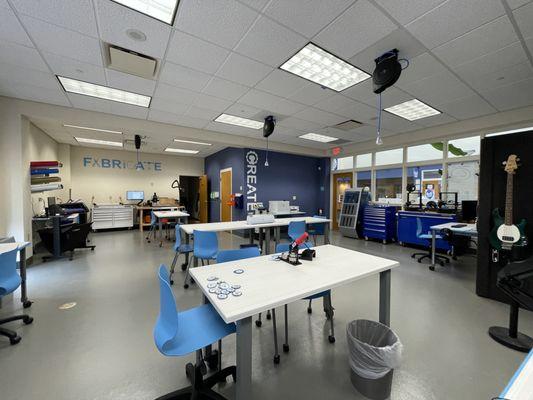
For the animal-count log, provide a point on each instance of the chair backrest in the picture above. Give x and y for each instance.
(296, 229)
(418, 227)
(166, 327)
(319, 229)
(9, 279)
(177, 243)
(205, 244)
(238, 254)
(282, 247)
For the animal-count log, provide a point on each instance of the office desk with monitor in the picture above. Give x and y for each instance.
(333, 266)
(6, 246)
(467, 230)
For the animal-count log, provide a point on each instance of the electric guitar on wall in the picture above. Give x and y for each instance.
(505, 235)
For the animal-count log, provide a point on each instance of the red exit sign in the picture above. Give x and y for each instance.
(336, 151)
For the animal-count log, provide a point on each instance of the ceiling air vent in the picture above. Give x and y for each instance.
(131, 62)
(348, 125)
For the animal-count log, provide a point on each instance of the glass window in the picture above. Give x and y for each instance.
(364, 179)
(424, 152)
(464, 147)
(463, 179)
(386, 157)
(428, 180)
(363, 160)
(389, 186)
(342, 163)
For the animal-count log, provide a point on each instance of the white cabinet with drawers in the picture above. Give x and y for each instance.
(109, 216)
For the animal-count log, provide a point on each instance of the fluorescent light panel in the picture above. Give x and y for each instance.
(319, 66)
(185, 151)
(509, 132)
(412, 110)
(103, 92)
(318, 138)
(234, 120)
(91, 129)
(97, 141)
(163, 10)
(192, 142)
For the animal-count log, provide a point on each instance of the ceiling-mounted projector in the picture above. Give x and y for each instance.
(268, 127)
(387, 72)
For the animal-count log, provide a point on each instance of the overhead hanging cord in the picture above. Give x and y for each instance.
(266, 160)
(378, 138)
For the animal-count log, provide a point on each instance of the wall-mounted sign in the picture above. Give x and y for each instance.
(336, 151)
(107, 163)
(252, 160)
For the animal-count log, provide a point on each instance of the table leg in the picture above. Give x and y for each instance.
(160, 224)
(433, 244)
(384, 297)
(244, 359)
(277, 233)
(251, 231)
(187, 240)
(23, 293)
(260, 238)
(141, 219)
(267, 241)
(326, 233)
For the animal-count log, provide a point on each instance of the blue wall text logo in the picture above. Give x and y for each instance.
(108, 163)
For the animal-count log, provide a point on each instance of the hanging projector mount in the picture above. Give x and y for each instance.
(268, 129)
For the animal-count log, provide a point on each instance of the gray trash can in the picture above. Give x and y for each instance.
(375, 350)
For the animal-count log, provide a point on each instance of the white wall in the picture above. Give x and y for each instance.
(107, 185)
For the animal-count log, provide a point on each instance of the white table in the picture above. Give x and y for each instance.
(468, 230)
(173, 214)
(21, 246)
(333, 266)
(521, 384)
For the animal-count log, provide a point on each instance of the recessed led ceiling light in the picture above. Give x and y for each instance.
(136, 35)
(97, 141)
(103, 92)
(319, 66)
(91, 129)
(528, 129)
(192, 142)
(412, 110)
(318, 138)
(163, 10)
(234, 120)
(172, 150)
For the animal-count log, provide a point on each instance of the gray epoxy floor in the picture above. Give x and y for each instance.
(103, 347)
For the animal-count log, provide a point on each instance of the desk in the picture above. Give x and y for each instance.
(519, 387)
(333, 266)
(468, 230)
(160, 215)
(142, 209)
(21, 246)
(276, 214)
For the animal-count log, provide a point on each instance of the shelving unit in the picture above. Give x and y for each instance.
(42, 176)
(349, 215)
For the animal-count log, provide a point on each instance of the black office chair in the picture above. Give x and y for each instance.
(426, 236)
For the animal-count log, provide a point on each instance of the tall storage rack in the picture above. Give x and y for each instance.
(348, 218)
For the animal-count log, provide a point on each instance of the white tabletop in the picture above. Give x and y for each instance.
(267, 283)
(170, 214)
(469, 229)
(288, 213)
(5, 247)
(237, 225)
(519, 387)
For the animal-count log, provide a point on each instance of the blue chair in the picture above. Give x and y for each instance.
(317, 229)
(180, 333)
(205, 248)
(9, 282)
(427, 236)
(239, 254)
(296, 229)
(179, 248)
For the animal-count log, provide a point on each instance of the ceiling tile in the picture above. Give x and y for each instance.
(311, 94)
(28, 76)
(179, 95)
(225, 89)
(243, 70)
(318, 116)
(502, 77)
(360, 112)
(195, 53)
(399, 39)
(395, 124)
(517, 3)
(115, 19)
(267, 101)
(300, 124)
(74, 15)
(128, 110)
(529, 44)
(356, 29)
(436, 120)
(270, 43)
(64, 42)
(202, 113)
(89, 103)
(183, 77)
(255, 4)
(421, 67)
(524, 16)
(42, 94)
(389, 97)
(169, 105)
(223, 22)
(163, 116)
(519, 94)
(307, 17)
(211, 103)
(131, 83)
(452, 19)
(233, 130)
(281, 83)
(23, 56)
(438, 89)
(336, 103)
(242, 110)
(75, 69)
(404, 11)
(11, 30)
(485, 39)
(468, 107)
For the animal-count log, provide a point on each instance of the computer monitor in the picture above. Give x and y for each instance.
(136, 195)
(469, 209)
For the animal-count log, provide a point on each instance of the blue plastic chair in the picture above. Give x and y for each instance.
(9, 282)
(181, 333)
(427, 236)
(296, 229)
(179, 248)
(238, 254)
(317, 229)
(205, 248)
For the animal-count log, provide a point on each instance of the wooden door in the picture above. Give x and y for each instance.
(341, 182)
(202, 188)
(225, 195)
